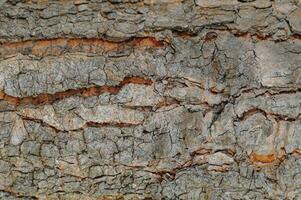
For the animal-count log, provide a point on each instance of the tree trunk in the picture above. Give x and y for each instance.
(153, 99)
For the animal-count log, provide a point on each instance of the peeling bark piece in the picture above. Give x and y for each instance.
(25, 77)
(285, 7)
(261, 3)
(46, 114)
(18, 133)
(71, 167)
(216, 3)
(138, 95)
(4, 166)
(295, 21)
(256, 134)
(274, 68)
(219, 159)
(288, 137)
(282, 106)
(111, 114)
(194, 95)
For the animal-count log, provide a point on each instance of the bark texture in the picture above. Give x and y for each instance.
(150, 99)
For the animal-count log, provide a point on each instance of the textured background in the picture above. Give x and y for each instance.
(153, 99)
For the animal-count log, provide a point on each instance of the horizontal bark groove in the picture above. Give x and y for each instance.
(43, 99)
(58, 46)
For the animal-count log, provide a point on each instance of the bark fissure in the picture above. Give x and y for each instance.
(43, 99)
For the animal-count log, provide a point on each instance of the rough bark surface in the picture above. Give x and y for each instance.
(150, 99)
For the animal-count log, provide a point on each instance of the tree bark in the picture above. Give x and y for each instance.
(153, 99)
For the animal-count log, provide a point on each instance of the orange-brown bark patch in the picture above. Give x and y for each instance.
(263, 158)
